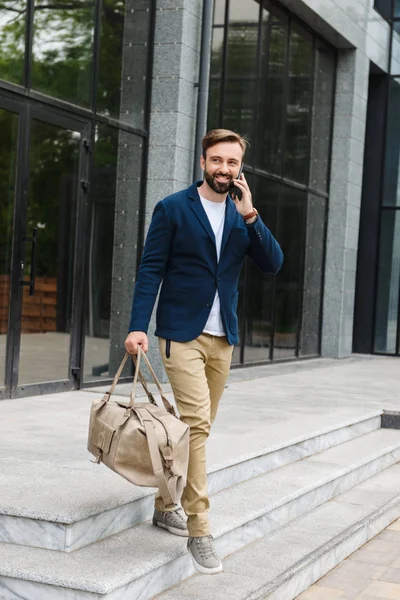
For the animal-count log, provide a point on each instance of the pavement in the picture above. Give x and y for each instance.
(264, 405)
(371, 573)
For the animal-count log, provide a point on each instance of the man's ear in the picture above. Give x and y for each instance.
(202, 162)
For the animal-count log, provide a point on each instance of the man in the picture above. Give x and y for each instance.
(196, 245)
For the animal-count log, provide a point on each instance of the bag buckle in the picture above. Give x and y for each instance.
(168, 458)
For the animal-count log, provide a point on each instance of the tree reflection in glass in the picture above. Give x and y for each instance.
(62, 49)
(12, 40)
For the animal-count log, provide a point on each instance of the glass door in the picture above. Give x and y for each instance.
(49, 243)
(41, 249)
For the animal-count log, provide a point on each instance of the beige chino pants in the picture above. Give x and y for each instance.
(197, 371)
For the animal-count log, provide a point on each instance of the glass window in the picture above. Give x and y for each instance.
(213, 116)
(396, 7)
(272, 95)
(8, 156)
(313, 276)
(122, 85)
(240, 86)
(391, 195)
(12, 40)
(277, 90)
(259, 289)
(217, 52)
(322, 118)
(387, 309)
(243, 12)
(51, 217)
(297, 150)
(97, 343)
(115, 201)
(62, 49)
(384, 7)
(219, 12)
(215, 78)
(291, 235)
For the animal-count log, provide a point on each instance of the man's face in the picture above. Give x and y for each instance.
(222, 165)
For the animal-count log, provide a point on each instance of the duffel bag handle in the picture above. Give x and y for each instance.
(138, 373)
(140, 355)
(118, 374)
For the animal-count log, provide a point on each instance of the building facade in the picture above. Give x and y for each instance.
(99, 114)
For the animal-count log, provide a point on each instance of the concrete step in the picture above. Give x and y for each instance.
(290, 560)
(69, 508)
(143, 561)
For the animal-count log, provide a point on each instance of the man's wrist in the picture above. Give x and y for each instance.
(251, 216)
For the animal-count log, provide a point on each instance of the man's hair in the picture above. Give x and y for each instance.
(215, 136)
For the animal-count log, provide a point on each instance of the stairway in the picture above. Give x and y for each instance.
(282, 515)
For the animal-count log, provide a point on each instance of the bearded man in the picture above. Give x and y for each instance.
(196, 245)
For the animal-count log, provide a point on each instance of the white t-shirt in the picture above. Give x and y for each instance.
(215, 212)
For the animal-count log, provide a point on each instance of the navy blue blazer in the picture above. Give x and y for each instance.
(180, 252)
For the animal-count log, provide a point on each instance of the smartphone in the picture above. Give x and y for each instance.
(235, 191)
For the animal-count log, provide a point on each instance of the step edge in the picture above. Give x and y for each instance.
(295, 495)
(302, 438)
(214, 469)
(270, 587)
(110, 586)
(291, 496)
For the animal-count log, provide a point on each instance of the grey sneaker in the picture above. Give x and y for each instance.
(204, 557)
(172, 520)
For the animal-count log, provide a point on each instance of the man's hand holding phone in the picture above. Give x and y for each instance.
(236, 192)
(244, 205)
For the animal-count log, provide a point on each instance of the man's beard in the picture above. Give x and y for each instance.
(218, 187)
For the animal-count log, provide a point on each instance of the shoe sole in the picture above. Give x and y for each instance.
(204, 570)
(180, 532)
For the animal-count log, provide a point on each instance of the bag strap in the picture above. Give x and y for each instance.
(169, 497)
(117, 376)
(136, 362)
(137, 374)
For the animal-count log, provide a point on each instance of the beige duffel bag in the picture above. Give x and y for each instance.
(146, 444)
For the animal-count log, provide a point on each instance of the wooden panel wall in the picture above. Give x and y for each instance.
(39, 311)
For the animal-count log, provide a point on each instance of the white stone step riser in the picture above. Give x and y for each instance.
(16, 589)
(67, 537)
(296, 582)
(303, 503)
(146, 587)
(175, 571)
(220, 480)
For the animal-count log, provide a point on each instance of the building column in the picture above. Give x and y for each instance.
(344, 203)
(173, 113)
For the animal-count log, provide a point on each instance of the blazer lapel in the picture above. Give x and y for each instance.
(199, 211)
(230, 215)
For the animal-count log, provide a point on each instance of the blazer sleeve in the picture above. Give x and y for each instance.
(152, 268)
(264, 250)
